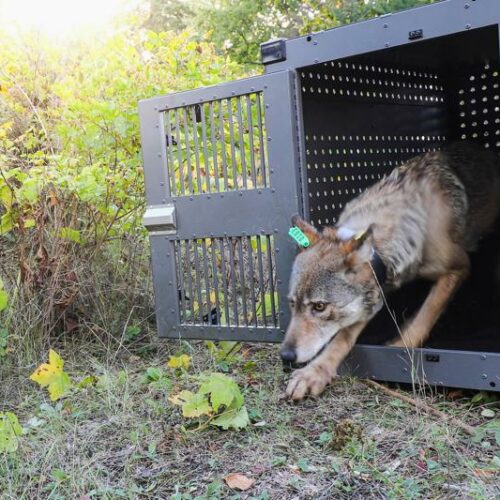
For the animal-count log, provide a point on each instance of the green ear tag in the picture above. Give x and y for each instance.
(301, 239)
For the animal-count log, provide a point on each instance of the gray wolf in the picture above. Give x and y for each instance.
(419, 221)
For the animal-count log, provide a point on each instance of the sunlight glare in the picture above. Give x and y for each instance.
(60, 17)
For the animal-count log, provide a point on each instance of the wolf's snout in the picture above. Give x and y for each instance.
(288, 354)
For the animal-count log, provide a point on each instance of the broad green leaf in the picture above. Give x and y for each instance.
(10, 429)
(223, 390)
(52, 376)
(232, 418)
(193, 405)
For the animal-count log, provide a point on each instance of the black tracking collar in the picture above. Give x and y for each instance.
(379, 268)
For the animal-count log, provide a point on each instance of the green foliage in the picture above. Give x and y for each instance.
(219, 398)
(10, 429)
(71, 176)
(240, 27)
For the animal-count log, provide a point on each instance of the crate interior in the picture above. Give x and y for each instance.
(367, 114)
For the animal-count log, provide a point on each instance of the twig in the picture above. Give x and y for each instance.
(423, 406)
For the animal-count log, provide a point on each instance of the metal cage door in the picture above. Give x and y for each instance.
(222, 177)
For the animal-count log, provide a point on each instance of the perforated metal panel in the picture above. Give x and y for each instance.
(361, 120)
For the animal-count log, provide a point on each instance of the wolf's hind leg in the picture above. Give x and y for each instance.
(441, 293)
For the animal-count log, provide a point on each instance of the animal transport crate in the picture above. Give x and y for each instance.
(227, 166)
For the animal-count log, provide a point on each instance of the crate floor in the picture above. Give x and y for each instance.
(471, 321)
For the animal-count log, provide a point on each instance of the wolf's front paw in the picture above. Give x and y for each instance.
(309, 380)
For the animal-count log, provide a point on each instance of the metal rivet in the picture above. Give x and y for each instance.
(159, 155)
(252, 88)
(386, 26)
(269, 139)
(156, 108)
(316, 60)
(170, 283)
(277, 250)
(265, 86)
(275, 230)
(273, 190)
(484, 376)
(279, 282)
(259, 191)
(191, 198)
(315, 43)
(467, 26)
(157, 126)
(466, 6)
(386, 44)
(240, 193)
(164, 200)
(162, 183)
(208, 197)
(272, 171)
(405, 370)
(222, 196)
(233, 92)
(172, 311)
(483, 356)
(267, 106)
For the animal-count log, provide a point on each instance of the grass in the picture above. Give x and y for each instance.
(122, 438)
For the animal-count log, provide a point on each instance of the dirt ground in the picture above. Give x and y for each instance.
(122, 438)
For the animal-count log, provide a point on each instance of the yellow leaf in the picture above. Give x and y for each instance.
(52, 376)
(181, 361)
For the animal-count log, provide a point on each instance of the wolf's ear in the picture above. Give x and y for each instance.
(310, 231)
(356, 242)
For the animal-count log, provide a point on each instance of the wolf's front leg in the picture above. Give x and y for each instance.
(313, 378)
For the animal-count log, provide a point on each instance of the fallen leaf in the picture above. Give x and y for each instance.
(52, 376)
(223, 390)
(237, 481)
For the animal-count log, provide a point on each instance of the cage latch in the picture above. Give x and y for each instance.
(160, 219)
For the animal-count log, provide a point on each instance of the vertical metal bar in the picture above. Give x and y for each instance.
(207, 281)
(215, 275)
(223, 144)
(261, 141)
(169, 155)
(231, 142)
(261, 281)
(233, 281)
(205, 148)
(190, 278)
(198, 280)
(196, 148)
(242, 281)
(213, 140)
(271, 278)
(250, 137)
(242, 142)
(180, 279)
(224, 281)
(252, 280)
(188, 151)
(179, 152)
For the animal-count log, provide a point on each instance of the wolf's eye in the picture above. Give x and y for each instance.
(319, 306)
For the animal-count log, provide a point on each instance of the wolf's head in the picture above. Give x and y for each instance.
(332, 286)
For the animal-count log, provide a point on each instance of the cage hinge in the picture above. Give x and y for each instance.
(160, 219)
(273, 51)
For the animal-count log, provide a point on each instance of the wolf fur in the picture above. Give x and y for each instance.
(419, 221)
